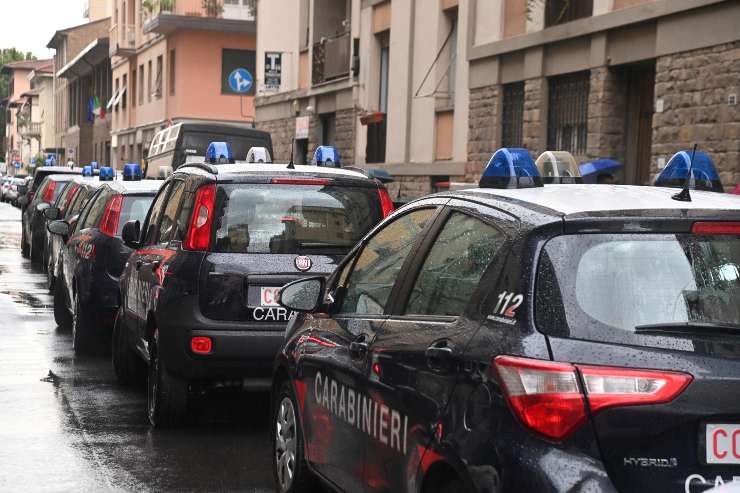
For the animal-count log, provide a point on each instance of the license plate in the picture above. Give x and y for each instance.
(269, 296)
(723, 443)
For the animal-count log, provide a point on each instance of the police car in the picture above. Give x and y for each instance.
(199, 294)
(68, 207)
(521, 337)
(93, 257)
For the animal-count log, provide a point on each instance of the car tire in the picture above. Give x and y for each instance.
(167, 396)
(61, 314)
(25, 251)
(287, 446)
(82, 328)
(34, 253)
(129, 368)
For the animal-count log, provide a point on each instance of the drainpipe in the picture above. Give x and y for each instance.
(410, 88)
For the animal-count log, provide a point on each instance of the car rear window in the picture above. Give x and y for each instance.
(602, 286)
(294, 219)
(134, 208)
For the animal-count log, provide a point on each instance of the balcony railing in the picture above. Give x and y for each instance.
(221, 9)
(331, 59)
(28, 130)
(122, 39)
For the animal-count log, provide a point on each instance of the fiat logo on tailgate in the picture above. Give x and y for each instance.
(302, 263)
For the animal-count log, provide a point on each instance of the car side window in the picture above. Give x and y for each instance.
(452, 270)
(375, 270)
(155, 213)
(95, 211)
(168, 226)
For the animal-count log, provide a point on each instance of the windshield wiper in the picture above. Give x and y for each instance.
(690, 328)
(320, 244)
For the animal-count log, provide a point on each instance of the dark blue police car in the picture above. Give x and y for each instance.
(199, 294)
(520, 337)
(94, 256)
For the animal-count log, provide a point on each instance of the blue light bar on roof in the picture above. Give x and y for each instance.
(327, 156)
(510, 168)
(132, 172)
(87, 170)
(703, 173)
(219, 153)
(106, 174)
(558, 167)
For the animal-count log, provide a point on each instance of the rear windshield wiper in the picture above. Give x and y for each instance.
(690, 328)
(320, 244)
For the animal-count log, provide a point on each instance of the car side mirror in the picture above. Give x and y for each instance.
(23, 200)
(131, 233)
(52, 213)
(60, 228)
(22, 189)
(303, 295)
(42, 206)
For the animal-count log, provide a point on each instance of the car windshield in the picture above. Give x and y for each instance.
(601, 286)
(294, 219)
(135, 208)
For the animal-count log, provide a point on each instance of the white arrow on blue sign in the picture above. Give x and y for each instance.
(240, 80)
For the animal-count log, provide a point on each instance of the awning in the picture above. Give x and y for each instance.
(81, 65)
(116, 98)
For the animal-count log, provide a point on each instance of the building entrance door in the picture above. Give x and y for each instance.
(640, 81)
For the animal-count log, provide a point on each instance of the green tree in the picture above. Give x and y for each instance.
(8, 55)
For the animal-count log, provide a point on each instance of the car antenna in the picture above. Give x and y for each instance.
(685, 194)
(292, 147)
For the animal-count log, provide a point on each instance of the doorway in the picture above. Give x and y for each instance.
(640, 82)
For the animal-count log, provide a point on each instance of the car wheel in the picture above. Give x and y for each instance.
(288, 460)
(61, 314)
(82, 328)
(167, 396)
(128, 366)
(24, 246)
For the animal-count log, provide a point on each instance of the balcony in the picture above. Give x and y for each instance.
(166, 16)
(30, 130)
(331, 59)
(122, 40)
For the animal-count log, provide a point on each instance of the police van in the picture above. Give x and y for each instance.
(522, 336)
(199, 293)
(188, 141)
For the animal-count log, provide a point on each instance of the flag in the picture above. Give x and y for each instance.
(99, 109)
(91, 110)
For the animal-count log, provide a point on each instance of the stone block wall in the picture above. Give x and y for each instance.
(346, 124)
(482, 129)
(534, 103)
(694, 88)
(282, 132)
(607, 102)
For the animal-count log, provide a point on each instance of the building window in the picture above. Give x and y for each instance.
(384, 70)
(452, 51)
(567, 120)
(232, 60)
(171, 74)
(149, 82)
(158, 80)
(141, 84)
(133, 89)
(560, 11)
(512, 115)
(328, 128)
(124, 88)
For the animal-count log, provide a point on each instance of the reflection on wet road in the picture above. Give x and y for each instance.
(68, 426)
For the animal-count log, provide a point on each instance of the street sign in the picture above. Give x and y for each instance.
(240, 80)
(273, 70)
(16, 164)
(301, 127)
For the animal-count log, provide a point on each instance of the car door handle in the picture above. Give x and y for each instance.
(358, 349)
(438, 357)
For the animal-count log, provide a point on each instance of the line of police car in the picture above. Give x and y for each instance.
(532, 334)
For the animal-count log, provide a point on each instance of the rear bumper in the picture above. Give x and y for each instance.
(240, 351)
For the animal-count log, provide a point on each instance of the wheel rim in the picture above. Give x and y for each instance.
(285, 444)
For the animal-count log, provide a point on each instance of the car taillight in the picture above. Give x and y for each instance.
(299, 181)
(386, 204)
(109, 224)
(549, 399)
(201, 345)
(716, 228)
(199, 232)
(48, 193)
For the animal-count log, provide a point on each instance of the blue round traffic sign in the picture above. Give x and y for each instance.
(240, 80)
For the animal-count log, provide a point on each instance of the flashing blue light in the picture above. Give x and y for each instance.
(510, 168)
(94, 165)
(327, 156)
(106, 174)
(219, 153)
(132, 172)
(703, 173)
(87, 170)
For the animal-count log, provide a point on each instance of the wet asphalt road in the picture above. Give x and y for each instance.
(66, 425)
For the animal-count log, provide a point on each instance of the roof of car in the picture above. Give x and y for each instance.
(231, 171)
(566, 200)
(135, 186)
